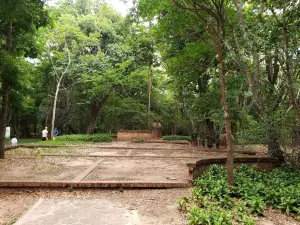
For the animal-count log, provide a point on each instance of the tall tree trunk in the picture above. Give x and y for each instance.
(272, 103)
(94, 114)
(219, 49)
(289, 75)
(54, 107)
(3, 118)
(58, 86)
(219, 38)
(274, 149)
(288, 71)
(187, 112)
(35, 128)
(149, 90)
(46, 121)
(16, 127)
(95, 110)
(5, 88)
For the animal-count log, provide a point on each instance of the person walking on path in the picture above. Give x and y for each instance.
(55, 133)
(14, 141)
(45, 134)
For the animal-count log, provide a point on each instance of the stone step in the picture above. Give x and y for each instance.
(93, 184)
(99, 147)
(108, 156)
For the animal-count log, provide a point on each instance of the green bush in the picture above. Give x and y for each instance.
(255, 134)
(279, 188)
(210, 215)
(86, 138)
(213, 201)
(176, 138)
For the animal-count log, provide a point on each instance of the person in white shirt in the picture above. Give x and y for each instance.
(45, 134)
(14, 141)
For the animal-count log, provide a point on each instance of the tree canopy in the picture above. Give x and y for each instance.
(210, 67)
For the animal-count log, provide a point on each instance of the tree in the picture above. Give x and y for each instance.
(18, 19)
(212, 16)
(59, 78)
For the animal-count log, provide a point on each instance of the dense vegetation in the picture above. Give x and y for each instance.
(85, 138)
(214, 67)
(213, 201)
(208, 67)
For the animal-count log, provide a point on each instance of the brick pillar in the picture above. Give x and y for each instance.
(156, 129)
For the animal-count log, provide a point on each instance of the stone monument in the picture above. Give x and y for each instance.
(156, 129)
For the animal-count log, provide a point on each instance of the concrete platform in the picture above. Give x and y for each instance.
(78, 212)
(106, 166)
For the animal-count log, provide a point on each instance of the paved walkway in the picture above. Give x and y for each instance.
(78, 212)
(110, 165)
(147, 166)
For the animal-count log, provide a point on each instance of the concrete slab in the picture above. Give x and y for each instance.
(44, 168)
(82, 175)
(140, 170)
(78, 212)
(116, 165)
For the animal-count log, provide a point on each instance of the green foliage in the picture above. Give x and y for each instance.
(279, 189)
(252, 131)
(214, 201)
(183, 203)
(58, 142)
(110, 56)
(176, 138)
(85, 138)
(12, 221)
(210, 215)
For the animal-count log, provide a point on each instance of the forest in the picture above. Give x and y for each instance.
(208, 67)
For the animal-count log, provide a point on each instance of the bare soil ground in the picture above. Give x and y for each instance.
(275, 217)
(154, 206)
(136, 163)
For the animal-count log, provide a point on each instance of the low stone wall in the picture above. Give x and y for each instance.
(182, 142)
(259, 162)
(129, 135)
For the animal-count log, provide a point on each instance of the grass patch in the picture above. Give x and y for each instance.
(75, 139)
(85, 138)
(213, 201)
(23, 141)
(59, 142)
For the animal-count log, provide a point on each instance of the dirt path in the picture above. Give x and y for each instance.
(154, 207)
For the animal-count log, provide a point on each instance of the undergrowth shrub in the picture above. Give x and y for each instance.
(251, 131)
(176, 138)
(213, 201)
(86, 137)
